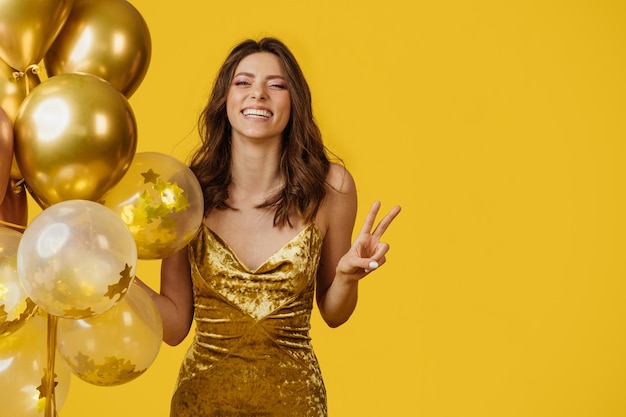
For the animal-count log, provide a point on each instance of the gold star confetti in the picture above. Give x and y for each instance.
(122, 285)
(114, 370)
(11, 322)
(43, 388)
(150, 176)
(78, 313)
(3, 314)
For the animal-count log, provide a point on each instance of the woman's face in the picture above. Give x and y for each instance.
(258, 103)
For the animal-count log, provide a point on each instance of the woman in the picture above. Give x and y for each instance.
(277, 233)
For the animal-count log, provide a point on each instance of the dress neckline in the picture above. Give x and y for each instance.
(225, 244)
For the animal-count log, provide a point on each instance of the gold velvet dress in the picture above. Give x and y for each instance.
(252, 354)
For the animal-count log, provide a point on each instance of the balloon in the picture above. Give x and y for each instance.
(117, 346)
(28, 28)
(15, 306)
(6, 152)
(107, 38)
(23, 362)
(75, 137)
(76, 259)
(13, 90)
(161, 201)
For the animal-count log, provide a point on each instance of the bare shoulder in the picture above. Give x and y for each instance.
(340, 180)
(339, 206)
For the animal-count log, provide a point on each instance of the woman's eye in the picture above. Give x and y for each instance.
(242, 83)
(279, 86)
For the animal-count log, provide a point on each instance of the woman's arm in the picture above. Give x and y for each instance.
(175, 300)
(342, 264)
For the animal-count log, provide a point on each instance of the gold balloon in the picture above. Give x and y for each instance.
(23, 363)
(76, 259)
(75, 137)
(107, 38)
(161, 202)
(118, 345)
(28, 28)
(6, 152)
(12, 90)
(15, 306)
(14, 87)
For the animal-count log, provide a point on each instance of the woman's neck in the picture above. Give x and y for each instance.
(255, 172)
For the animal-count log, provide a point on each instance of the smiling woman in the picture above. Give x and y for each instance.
(277, 232)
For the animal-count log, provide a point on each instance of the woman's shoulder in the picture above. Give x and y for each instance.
(339, 206)
(339, 179)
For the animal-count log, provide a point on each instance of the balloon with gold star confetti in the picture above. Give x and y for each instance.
(23, 374)
(116, 346)
(76, 259)
(161, 202)
(15, 306)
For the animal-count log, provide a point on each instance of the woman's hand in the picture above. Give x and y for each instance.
(367, 252)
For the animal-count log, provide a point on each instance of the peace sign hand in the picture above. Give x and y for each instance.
(368, 252)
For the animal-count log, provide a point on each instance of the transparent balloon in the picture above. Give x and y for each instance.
(15, 306)
(161, 201)
(76, 259)
(23, 363)
(118, 345)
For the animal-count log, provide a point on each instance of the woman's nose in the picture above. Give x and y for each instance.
(258, 92)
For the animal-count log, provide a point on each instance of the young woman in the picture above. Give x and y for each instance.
(277, 233)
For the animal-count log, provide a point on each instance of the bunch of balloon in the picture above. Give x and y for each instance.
(76, 260)
(67, 70)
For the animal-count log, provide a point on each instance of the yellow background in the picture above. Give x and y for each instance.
(499, 126)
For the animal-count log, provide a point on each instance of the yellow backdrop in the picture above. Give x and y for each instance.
(500, 128)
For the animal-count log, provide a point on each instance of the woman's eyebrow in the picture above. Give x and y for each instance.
(249, 74)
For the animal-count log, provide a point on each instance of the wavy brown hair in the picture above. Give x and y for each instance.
(304, 161)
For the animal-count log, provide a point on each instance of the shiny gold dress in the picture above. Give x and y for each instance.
(252, 354)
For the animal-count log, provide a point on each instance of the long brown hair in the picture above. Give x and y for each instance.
(304, 162)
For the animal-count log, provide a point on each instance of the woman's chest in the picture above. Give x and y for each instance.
(251, 234)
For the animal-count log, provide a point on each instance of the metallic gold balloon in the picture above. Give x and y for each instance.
(14, 87)
(118, 345)
(6, 152)
(28, 28)
(15, 306)
(76, 259)
(75, 137)
(23, 363)
(161, 201)
(12, 90)
(107, 38)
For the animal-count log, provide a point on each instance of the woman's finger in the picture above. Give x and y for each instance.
(370, 218)
(385, 222)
